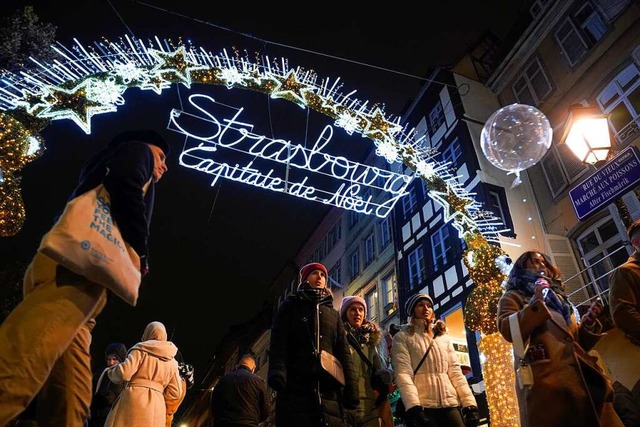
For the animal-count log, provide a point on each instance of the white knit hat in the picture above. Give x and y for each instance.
(346, 303)
(412, 302)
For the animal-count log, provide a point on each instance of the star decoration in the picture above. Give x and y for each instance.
(379, 127)
(176, 64)
(454, 208)
(291, 89)
(73, 104)
(32, 102)
(155, 83)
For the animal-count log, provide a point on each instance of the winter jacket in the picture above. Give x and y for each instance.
(151, 375)
(294, 370)
(131, 209)
(240, 398)
(366, 414)
(439, 382)
(624, 297)
(570, 389)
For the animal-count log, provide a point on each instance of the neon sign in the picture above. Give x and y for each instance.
(271, 164)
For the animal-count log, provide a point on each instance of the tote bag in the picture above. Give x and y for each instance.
(87, 241)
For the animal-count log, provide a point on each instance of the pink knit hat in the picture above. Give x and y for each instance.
(346, 303)
(307, 269)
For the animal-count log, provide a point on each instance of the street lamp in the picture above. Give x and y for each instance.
(587, 134)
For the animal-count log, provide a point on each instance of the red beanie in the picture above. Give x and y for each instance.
(307, 269)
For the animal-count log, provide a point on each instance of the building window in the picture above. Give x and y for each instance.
(371, 298)
(436, 118)
(497, 204)
(533, 85)
(334, 235)
(388, 288)
(442, 248)
(369, 250)
(621, 99)
(538, 7)
(409, 201)
(579, 32)
(354, 217)
(417, 270)
(602, 250)
(385, 232)
(355, 264)
(335, 275)
(452, 154)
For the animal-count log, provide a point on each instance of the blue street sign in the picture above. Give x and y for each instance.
(615, 178)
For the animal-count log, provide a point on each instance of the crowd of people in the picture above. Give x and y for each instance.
(325, 368)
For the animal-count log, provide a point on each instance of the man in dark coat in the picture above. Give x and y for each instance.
(305, 324)
(44, 342)
(240, 398)
(105, 392)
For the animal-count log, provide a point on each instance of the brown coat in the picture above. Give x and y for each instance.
(624, 297)
(570, 389)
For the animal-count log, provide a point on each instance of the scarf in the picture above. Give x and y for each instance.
(316, 295)
(363, 334)
(556, 300)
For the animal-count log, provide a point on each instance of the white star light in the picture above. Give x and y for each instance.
(347, 121)
(128, 72)
(425, 169)
(387, 149)
(231, 76)
(105, 91)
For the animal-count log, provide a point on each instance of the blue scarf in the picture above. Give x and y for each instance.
(525, 282)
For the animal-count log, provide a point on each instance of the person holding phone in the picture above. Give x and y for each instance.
(569, 387)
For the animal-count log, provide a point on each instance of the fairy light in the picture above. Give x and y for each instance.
(94, 80)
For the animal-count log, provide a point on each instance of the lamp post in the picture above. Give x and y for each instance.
(587, 135)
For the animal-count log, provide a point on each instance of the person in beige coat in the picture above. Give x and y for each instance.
(439, 392)
(569, 387)
(151, 375)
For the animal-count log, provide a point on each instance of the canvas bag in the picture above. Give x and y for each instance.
(87, 241)
(332, 366)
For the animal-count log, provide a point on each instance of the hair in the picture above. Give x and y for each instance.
(522, 260)
(633, 229)
(521, 264)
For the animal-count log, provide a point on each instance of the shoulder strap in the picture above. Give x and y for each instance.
(519, 347)
(354, 343)
(424, 357)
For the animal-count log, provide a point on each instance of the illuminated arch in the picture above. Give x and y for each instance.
(90, 80)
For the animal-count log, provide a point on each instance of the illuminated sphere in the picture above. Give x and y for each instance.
(516, 137)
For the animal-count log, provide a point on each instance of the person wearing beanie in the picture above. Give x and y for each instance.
(306, 324)
(438, 392)
(374, 379)
(150, 375)
(45, 340)
(105, 392)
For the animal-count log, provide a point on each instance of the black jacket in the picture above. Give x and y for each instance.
(293, 365)
(240, 399)
(130, 167)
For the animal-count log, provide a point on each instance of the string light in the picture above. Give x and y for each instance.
(90, 80)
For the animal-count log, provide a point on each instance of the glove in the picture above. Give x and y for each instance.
(471, 416)
(589, 318)
(381, 380)
(276, 382)
(416, 417)
(144, 265)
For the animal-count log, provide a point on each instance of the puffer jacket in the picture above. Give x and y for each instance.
(293, 365)
(439, 383)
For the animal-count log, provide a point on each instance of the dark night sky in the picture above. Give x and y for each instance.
(215, 250)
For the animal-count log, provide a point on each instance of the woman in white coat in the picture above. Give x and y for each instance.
(438, 394)
(151, 374)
